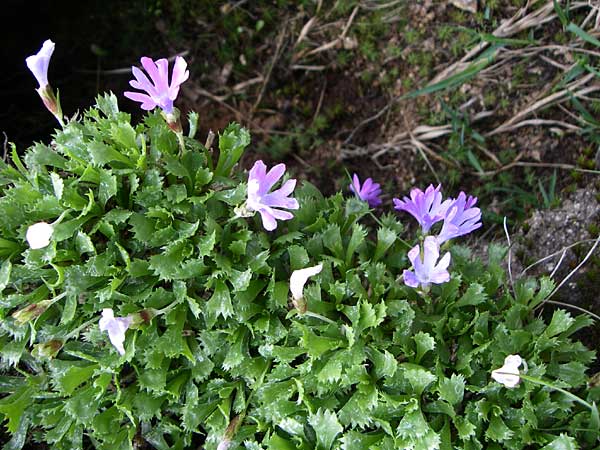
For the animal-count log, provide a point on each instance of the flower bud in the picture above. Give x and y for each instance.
(229, 434)
(47, 350)
(300, 304)
(142, 317)
(173, 121)
(50, 101)
(31, 312)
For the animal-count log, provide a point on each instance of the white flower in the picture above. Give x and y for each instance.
(299, 279)
(38, 63)
(116, 327)
(39, 234)
(509, 374)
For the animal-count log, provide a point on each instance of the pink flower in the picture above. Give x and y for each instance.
(369, 192)
(158, 91)
(426, 269)
(427, 207)
(461, 218)
(264, 202)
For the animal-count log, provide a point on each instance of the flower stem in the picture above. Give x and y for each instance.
(318, 316)
(561, 390)
(181, 143)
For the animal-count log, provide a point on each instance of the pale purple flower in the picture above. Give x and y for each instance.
(38, 63)
(116, 327)
(158, 90)
(224, 444)
(427, 269)
(427, 207)
(461, 218)
(264, 202)
(369, 192)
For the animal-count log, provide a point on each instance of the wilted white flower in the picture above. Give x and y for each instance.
(509, 374)
(299, 279)
(39, 234)
(116, 327)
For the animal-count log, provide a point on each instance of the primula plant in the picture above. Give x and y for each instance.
(146, 305)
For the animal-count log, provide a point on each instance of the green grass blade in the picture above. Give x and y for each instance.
(460, 78)
(583, 35)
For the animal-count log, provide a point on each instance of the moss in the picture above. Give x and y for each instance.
(570, 188)
(411, 36)
(490, 99)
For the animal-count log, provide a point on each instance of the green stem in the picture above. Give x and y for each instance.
(181, 143)
(376, 219)
(561, 390)
(79, 328)
(318, 316)
(552, 386)
(235, 424)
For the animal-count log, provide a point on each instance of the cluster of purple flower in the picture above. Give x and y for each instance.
(459, 216)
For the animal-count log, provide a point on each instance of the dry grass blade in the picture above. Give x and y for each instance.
(305, 29)
(573, 272)
(559, 96)
(332, 44)
(519, 22)
(552, 255)
(267, 76)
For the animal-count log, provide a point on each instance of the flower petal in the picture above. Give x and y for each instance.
(410, 279)
(180, 74)
(268, 220)
(273, 176)
(147, 102)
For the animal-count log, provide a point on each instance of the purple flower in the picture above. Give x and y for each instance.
(116, 327)
(369, 192)
(260, 199)
(427, 207)
(461, 218)
(38, 63)
(426, 269)
(158, 91)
